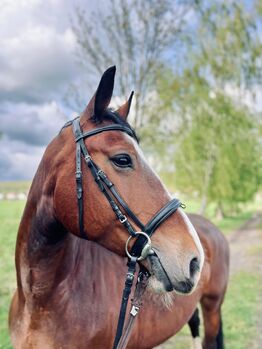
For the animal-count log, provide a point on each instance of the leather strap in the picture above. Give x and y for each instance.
(162, 215)
(126, 292)
(154, 223)
(136, 304)
(79, 186)
(121, 201)
(114, 127)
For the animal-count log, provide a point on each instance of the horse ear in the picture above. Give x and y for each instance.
(100, 101)
(123, 111)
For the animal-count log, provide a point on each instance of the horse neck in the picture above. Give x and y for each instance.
(48, 256)
(40, 235)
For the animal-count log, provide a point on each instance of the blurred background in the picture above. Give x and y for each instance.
(196, 69)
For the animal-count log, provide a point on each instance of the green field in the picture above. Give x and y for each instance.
(10, 213)
(16, 187)
(240, 315)
(240, 311)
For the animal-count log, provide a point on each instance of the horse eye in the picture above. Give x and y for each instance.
(122, 160)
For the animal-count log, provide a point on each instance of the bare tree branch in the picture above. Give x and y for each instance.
(133, 34)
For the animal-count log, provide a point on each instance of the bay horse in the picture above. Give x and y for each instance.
(70, 252)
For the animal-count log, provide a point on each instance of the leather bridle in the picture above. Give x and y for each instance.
(142, 246)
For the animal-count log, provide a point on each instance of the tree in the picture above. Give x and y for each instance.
(220, 157)
(135, 35)
(215, 50)
(218, 149)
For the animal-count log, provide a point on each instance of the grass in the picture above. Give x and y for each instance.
(241, 311)
(255, 250)
(229, 224)
(240, 314)
(16, 187)
(10, 213)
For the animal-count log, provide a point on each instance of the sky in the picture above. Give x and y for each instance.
(37, 65)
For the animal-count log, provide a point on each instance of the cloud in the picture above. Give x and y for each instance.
(26, 130)
(36, 56)
(36, 67)
(18, 161)
(32, 124)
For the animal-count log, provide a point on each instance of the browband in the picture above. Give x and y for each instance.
(114, 127)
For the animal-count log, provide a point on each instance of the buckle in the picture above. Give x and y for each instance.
(122, 219)
(101, 173)
(134, 310)
(88, 158)
(79, 192)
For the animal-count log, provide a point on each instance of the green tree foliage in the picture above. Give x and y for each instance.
(219, 156)
(218, 146)
(227, 43)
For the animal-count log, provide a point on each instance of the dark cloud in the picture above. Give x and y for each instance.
(25, 131)
(36, 68)
(18, 161)
(32, 124)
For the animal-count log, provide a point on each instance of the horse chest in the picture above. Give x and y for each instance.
(82, 310)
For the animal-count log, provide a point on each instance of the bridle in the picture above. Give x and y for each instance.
(142, 246)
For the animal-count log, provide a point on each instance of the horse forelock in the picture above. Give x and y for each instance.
(110, 115)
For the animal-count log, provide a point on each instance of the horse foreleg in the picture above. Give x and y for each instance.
(211, 308)
(194, 324)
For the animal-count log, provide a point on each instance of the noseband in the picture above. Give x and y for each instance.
(142, 246)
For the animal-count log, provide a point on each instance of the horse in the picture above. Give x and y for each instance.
(70, 252)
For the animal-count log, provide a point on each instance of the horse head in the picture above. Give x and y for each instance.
(177, 257)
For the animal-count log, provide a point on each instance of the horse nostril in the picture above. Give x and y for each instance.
(194, 267)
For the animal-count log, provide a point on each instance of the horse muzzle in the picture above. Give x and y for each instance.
(173, 278)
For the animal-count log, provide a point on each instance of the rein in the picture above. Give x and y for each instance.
(142, 247)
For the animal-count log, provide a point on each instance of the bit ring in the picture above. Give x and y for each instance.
(148, 244)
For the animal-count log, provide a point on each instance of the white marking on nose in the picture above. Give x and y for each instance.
(193, 233)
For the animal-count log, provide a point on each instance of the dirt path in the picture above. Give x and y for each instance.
(246, 255)
(246, 246)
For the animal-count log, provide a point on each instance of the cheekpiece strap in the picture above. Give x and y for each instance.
(78, 174)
